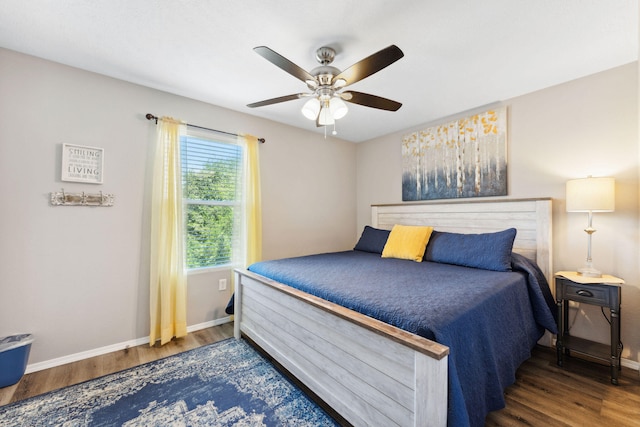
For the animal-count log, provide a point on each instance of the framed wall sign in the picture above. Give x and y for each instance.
(82, 164)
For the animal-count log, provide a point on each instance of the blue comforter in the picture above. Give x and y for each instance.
(489, 320)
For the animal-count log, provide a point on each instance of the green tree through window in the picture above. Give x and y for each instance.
(211, 177)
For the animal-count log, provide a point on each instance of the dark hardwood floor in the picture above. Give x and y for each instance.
(73, 373)
(579, 394)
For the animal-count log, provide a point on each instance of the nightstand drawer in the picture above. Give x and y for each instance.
(590, 294)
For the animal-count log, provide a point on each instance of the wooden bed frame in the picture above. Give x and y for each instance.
(369, 372)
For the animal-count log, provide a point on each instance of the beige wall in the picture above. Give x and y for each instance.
(584, 127)
(76, 277)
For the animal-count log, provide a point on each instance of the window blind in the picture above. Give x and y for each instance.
(211, 176)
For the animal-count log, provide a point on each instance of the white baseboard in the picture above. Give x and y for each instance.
(632, 364)
(208, 324)
(34, 367)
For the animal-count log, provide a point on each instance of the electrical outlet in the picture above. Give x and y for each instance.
(222, 285)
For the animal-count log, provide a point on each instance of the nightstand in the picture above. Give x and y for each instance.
(603, 291)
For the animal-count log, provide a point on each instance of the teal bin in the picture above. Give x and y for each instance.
(14, 355)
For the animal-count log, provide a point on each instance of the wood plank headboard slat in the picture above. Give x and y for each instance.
(531, 217)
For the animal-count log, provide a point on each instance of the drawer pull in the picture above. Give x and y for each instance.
(584, 293)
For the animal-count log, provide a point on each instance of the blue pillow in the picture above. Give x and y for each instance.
(372, 240)
(489, 251)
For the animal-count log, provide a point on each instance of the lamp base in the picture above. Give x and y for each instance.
(589, 272)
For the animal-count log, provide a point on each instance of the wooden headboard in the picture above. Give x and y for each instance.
(531, 217)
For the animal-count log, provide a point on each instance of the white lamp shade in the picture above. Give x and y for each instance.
(338, 108)
(591, 194)
(325, 118)
(311, 108)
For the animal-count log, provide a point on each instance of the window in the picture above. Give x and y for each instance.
(212, 184)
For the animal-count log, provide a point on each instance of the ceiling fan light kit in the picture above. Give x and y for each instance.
(326, 82)
(325, 118)
(311, 108)
(338, 108)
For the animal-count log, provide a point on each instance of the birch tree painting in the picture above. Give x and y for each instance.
(462, 158)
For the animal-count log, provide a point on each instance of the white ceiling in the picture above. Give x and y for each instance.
(459, 54)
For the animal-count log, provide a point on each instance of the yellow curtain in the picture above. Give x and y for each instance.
(168, 284)
(252, 199)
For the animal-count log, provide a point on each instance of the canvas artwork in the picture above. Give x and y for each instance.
(462, 158)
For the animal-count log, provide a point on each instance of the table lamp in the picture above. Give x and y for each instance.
(590, 195)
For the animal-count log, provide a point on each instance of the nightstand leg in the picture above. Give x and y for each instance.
(615, 346)
(565, 324)
(559, 340)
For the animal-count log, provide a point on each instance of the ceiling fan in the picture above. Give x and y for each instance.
(327, 83)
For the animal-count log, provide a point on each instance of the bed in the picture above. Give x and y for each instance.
(373, 372)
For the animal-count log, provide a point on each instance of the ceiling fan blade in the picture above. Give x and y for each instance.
(280, 61)
(370, 65)
(372, 101)
(277, 100)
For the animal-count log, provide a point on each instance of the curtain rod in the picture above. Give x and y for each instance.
(150, 116)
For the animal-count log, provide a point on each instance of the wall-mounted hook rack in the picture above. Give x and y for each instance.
(61, 198)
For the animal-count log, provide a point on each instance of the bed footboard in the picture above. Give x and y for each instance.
(371, 373)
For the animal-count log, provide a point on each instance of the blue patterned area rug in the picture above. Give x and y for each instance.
(223, 384)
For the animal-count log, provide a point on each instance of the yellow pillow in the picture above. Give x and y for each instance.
(407, 242)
